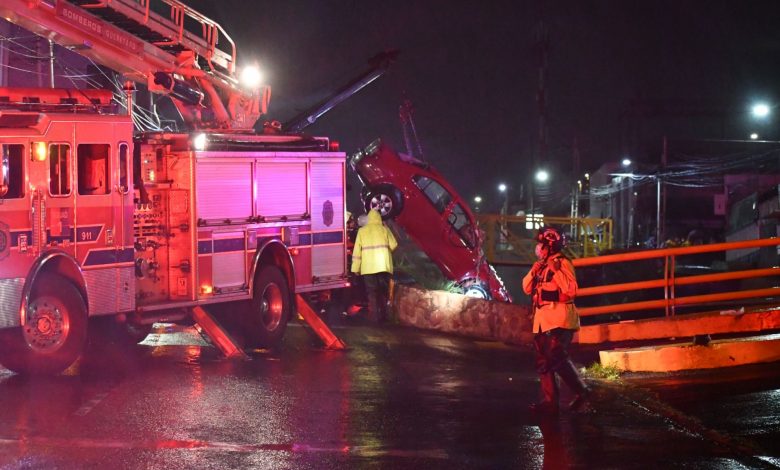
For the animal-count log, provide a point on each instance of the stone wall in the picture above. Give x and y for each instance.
(461, 315)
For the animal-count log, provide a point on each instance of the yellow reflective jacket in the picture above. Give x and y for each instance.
(553, 292)
(373, 247)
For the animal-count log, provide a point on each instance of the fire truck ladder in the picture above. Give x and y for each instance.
(137, 39)
(138, 18)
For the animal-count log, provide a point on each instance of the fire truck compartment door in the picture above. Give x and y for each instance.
(327, 219)
(229, 260)
(224, 190)
(281, 189)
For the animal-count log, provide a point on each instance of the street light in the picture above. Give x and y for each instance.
(753, 136)
(626, 162)
(760, 110)
(542, 176)
(477, 202)
(504, 189)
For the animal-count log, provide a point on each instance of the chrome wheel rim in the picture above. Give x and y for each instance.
(47, 326)
(271, 307)
(382, 203)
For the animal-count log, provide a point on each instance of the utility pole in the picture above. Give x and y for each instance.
(542, 46)
(660, 217)
(575, 192)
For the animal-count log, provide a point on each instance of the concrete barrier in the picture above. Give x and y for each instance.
(676, 357)
(461, 315)
(726, 322)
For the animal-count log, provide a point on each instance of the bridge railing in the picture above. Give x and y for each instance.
(673, 289)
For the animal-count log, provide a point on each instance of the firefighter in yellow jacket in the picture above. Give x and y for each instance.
(553, 286)
(372, 258)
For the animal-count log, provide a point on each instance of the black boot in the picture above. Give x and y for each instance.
(549, 387)
(569, 374)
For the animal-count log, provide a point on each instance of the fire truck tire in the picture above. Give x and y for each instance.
(270, 308)
(387, 199)
(55, 333)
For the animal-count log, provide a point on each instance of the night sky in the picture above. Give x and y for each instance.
(471, 70)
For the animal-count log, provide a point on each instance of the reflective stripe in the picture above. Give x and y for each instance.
(375, 247)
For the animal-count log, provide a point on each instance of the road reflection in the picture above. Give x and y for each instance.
(557, 439)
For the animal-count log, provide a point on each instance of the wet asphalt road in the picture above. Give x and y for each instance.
(400, 398)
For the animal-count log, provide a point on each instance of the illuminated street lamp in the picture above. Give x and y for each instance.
(542, 176)
(504, 189)
(760, 110)
(477, 203)
(626, 162)
(753, 136)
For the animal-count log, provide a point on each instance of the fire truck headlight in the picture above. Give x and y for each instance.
(39, 151)
(199, 142)
(251, 77)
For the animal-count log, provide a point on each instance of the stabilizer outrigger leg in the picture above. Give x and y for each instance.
(330, 340)
(221, 338)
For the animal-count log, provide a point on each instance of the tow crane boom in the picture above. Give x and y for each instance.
(378, 65)
(132, 38)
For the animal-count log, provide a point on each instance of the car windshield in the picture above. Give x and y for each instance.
(435, 192)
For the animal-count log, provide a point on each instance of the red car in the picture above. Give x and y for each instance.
(419, 199)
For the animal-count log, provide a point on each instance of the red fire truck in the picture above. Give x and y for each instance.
(99, 220)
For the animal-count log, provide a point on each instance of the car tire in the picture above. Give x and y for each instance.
(270, 308)
(476, 290)
(387, 199)
(55, 332)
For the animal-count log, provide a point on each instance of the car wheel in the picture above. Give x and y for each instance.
(386, 199)
(476, 290)
(270, 308)
(54, 334)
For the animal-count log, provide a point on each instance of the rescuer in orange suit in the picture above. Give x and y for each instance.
(553, 286)
(372, 258)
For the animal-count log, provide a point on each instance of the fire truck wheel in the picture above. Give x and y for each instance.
(55, 331)
(270, 308)
(386, 199)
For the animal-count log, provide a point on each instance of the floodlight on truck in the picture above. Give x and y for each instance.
(199, 142)
(251, 77)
